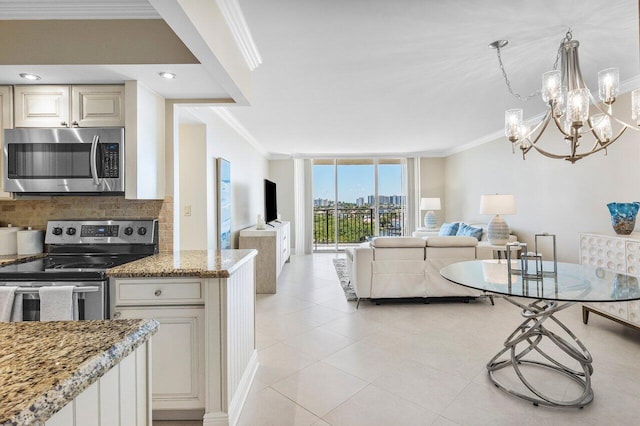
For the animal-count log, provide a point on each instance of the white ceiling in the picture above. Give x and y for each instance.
(408, 76)
(374, 76)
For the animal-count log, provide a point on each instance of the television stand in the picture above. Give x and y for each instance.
(274, 248)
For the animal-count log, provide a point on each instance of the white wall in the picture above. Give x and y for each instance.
(249, 168)
(432, 185)
(281, 172)
(193, 178)
(552, 196)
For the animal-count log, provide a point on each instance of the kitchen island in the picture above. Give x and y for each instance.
(74, 372)
(204, 356)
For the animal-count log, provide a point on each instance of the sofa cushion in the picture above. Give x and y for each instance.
(452, 241)
(469, 231)
(397, 242)
(448, 229)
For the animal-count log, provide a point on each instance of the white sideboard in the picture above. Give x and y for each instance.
(619, 253)
(274, 249)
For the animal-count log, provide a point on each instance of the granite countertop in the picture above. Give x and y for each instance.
(19, 258)
(186, 263)
(44, 365)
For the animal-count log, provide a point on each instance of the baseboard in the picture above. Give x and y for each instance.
(216, 419)
(178, 414)
(244, 386)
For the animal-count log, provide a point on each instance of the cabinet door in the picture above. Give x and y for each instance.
(178, 355)
(6, 122)
(42, 106)
(97, 106)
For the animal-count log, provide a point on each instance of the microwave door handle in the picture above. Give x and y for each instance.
(94, 161)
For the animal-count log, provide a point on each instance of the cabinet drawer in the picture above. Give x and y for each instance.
(159, 292)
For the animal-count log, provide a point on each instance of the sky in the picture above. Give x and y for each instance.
(356, 181)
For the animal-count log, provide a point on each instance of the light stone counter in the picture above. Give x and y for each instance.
(45, 365)
(186, 263)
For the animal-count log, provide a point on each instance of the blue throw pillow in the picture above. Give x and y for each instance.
(448, 229)
(469, 231)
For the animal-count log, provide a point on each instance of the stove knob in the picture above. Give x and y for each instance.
(142, 230)
(128, 230)
(71, 231)
(57, 231)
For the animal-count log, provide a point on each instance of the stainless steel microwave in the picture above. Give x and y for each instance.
(64, 161)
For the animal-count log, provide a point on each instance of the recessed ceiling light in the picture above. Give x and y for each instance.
(30, 76)
(167, 75)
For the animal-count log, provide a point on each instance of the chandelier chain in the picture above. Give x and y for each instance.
(567, 37)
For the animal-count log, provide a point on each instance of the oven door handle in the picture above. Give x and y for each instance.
(94, 160)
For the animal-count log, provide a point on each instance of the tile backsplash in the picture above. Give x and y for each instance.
(36, 213)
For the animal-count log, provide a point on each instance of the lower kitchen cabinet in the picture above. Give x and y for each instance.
(178, 355)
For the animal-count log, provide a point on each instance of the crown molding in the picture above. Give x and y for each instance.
(227, 117)
(78, 9)
(238, 25)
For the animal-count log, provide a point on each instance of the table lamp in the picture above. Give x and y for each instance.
(430, 204)
(497, 230)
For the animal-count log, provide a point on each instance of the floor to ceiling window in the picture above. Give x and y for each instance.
(355, 199)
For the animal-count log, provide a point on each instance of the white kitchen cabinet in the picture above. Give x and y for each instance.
(618, 253)
(97, 106)
(178, 355)
(41, 106)
(69, 106)
(178, 346)
(6, 122)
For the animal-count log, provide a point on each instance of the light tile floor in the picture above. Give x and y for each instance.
(324, 362)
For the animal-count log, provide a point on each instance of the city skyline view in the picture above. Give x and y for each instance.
(356, 181)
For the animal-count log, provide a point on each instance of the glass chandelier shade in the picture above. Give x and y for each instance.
(570, 104)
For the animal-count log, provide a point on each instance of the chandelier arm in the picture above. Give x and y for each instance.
(550, 155)
(542, 126)
(607, 113)
(595, 134)
(559, 126)
(577, 156)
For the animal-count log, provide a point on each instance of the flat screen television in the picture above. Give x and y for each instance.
(270, 202)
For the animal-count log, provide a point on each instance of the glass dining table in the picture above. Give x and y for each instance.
(542, 340)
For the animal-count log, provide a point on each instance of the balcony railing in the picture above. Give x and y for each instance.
(354, 224)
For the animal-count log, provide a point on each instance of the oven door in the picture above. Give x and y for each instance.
(64, 160)
(91, 298)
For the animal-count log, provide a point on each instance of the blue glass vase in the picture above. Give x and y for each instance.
(623, 216)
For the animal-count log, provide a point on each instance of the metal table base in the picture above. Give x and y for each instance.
(528, 336)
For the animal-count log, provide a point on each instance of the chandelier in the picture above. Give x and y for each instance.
(568, 101)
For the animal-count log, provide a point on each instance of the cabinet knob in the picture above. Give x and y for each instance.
(117, 315)
(158, 292)
(75, 124)
(63, 123)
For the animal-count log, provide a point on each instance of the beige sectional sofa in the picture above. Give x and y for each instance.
(403, 267)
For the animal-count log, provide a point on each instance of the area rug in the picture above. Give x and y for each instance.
(343, 276)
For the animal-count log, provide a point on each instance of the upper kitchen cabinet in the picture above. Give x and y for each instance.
(69, 106)
(97, 106)
(6, 122)
(42, 106)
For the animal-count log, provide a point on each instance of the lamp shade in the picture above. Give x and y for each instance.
(430, 204)
(497, 204)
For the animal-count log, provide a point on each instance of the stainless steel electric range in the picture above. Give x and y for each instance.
(80, 252)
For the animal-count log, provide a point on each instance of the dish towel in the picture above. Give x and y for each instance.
(56, 303)
(16, 315)
(7, 295)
